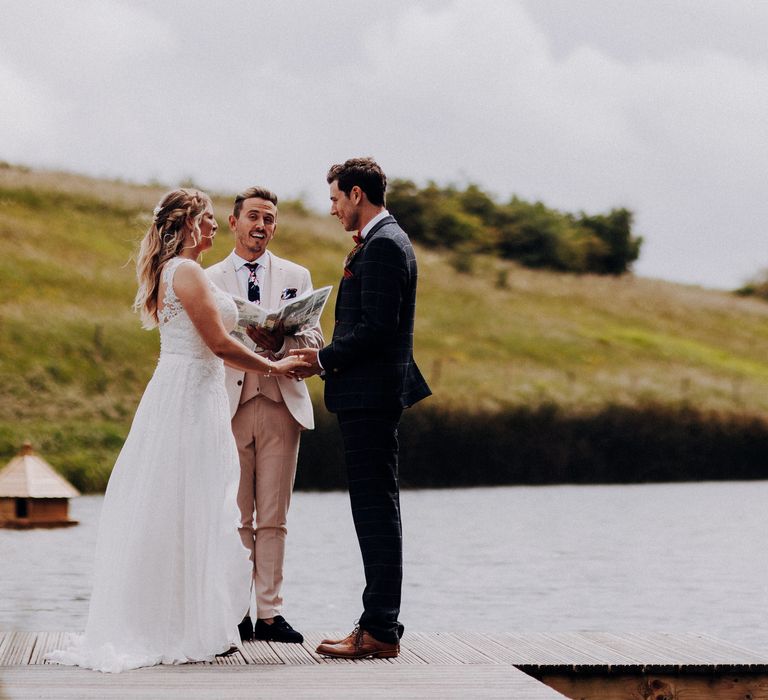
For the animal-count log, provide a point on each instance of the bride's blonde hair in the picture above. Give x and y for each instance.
(165, 240)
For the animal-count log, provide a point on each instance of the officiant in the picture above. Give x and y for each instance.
(268, 412)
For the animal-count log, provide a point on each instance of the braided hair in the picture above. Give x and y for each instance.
(165, 240)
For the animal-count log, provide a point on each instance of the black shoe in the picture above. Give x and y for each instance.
(228, 652)
(278, 631)
(245, 628)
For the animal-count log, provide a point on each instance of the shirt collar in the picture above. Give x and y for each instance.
(375, 220)
(238, 262)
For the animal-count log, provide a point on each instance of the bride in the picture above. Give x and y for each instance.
(172, 578)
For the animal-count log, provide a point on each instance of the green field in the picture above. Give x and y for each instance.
(493, 341)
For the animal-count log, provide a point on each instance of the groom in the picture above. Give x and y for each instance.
(370, 377)
(268, 413)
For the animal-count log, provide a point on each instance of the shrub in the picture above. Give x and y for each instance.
(620, 248)
(756, 287)
(528, 232)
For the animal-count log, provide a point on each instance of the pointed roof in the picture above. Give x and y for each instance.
(30, 476)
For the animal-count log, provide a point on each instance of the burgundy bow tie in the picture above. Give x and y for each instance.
(358, 239)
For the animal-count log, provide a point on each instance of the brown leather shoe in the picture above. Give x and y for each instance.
(400, 629)
(359, 645)
(349, 639)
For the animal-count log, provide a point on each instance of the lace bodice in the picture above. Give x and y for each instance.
(178, 334)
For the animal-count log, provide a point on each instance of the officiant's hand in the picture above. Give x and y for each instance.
(308, 355)
(269, 340)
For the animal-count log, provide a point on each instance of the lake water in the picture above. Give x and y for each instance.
(663, 557)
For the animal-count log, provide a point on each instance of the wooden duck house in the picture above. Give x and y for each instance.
(33, 494)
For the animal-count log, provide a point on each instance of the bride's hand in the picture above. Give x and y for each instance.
(286, 365)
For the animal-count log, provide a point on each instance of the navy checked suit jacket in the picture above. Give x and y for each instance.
(369, 363)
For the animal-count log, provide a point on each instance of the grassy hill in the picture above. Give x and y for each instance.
(496, 342)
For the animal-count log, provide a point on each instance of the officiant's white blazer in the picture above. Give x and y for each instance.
(282, 275)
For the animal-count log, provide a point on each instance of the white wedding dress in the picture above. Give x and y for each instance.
(172, 577)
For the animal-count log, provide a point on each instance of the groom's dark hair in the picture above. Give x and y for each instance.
(363, 172)
(260, 192)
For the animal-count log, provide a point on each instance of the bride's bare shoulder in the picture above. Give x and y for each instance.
(190, 282)
(186, 270)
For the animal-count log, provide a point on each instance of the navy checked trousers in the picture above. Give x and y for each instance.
(371, 450)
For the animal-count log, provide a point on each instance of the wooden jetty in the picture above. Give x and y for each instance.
(584, 665)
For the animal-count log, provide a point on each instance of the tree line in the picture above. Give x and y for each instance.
(470, 220)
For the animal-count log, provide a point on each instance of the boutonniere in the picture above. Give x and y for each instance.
(288, 293)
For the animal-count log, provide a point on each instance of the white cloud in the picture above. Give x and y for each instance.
(656, 106)
(25, 109)
(678, 140)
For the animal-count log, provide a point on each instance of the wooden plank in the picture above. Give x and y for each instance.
(594, 650)
(44, 642)
(5, 640)
(19, 649)
(726, 652)
(677, 649)
(407, 654)
(234, 659)
(674, 649)
(312, 641)
(645, 655)
(348, 681)
(605, 656)
(48, 642)
(443, 647)
(460, 649)
(577, 657)
(53, 641)
(423, 647)
(40, 647)
(489, 646)
(293, 654)
(258, 652)
(530, 653)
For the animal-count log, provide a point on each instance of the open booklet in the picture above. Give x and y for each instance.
(297, 314)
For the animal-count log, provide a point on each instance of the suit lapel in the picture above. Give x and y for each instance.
(229, 278)
(276, 282)
(386, 220)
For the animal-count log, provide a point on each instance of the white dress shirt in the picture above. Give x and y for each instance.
(375, 220)
(243, 272)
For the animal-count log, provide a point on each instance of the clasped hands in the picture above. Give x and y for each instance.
(308, 356)
(272, 341)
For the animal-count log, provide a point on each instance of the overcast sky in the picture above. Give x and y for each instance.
(660, 106)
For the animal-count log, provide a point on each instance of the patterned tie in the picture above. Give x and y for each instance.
(254, 293)
(358, 239)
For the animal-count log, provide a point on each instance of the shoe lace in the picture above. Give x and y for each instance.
(358, 632)
(281, 623)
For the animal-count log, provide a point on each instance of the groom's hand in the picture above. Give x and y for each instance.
(309, 355)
